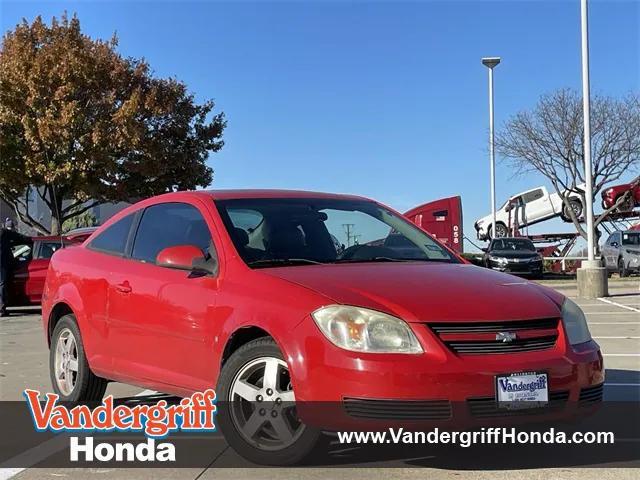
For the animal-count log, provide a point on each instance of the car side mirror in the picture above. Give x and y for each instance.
(615, 244)
(186, 257)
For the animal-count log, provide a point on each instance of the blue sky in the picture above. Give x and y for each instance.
(383, 99)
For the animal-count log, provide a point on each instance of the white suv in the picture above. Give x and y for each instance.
(527, 208)
(621, 253)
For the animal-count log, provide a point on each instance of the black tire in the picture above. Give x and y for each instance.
(576, 206)
(622, 268)
(88, 387)
(289, 455)
(501, 231)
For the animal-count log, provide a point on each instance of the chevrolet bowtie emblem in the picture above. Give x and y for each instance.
(505, 337)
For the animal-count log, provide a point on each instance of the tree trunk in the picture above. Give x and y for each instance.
(56, 210)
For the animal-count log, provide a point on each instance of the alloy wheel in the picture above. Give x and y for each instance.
(66, 362)
(501, 230)
(262, 404)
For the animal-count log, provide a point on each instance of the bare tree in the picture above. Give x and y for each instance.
(549, 140)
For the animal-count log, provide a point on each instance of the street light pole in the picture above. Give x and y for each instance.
(490, 63)
(592, 277)
(586, 109)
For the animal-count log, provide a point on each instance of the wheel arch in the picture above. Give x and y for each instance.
(58, 311)
(241, 336)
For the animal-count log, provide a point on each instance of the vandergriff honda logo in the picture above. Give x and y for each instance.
(505, 337)
(156, 421)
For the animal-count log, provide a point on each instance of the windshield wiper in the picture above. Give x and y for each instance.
(267, 262)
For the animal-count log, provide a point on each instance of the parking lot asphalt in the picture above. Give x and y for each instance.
(614, 323)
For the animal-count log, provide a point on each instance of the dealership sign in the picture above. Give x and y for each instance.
(156, 421)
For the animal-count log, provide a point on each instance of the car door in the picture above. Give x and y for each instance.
(536, 205)
(22, 258)
(605, 253)
(159, 317)
(611, 256)
(37, 268)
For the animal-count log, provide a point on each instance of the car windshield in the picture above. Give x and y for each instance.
(518, 244)
(271, 232)
(631, 238)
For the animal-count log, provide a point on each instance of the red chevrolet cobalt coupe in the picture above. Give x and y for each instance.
(280, 299)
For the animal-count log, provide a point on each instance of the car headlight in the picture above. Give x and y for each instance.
(498, 259)
(363, 330)
(575, 323)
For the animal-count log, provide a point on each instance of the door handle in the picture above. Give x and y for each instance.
(123, 287)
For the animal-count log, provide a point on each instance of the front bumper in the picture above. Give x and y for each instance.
(517, 268)
(326, 379)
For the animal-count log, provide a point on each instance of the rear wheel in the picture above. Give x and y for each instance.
(259, 419)
(71, 376)
(627, 205)
(575, 205)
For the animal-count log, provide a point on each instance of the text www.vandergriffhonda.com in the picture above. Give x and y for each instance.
(483, 436)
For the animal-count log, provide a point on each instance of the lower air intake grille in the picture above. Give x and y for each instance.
(591, 395)
(488, 407)
(398, 409)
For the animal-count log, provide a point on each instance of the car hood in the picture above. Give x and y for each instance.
(420, 292)
(513, 254)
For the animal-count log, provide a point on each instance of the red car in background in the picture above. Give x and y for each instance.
(282, 299)
(611, 195)
(32, 262)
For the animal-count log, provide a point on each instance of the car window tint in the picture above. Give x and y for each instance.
(47, 249)
(114, 238)
(532, 196)
(168, 225)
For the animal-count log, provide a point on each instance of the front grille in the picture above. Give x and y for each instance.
(488, 407)
(398, 409)
(591, 395)
(477, 338)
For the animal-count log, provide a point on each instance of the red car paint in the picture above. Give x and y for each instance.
(441, 218)
(30, 269)
(164, 329)
(611, 194)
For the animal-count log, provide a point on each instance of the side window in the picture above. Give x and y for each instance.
(47, 249)
(533, 196)
(168, 225)
(248, 229)
(611, 239)
(114, 239)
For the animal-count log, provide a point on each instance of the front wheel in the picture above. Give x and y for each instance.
(71, 376)
(622, 268)
(259, 417)
(501, 231)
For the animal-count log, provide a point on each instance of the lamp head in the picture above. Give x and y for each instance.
(490, 62)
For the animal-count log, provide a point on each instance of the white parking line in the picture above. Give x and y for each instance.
(612, 313)
(626, 307)
(7, 473)
(614, 323)
(146, 393)
(622, 384)
(625, 338)
(621, 354)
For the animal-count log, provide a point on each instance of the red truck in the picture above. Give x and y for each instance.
(441, 218)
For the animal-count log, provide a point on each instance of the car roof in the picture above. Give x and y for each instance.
(273, 193)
